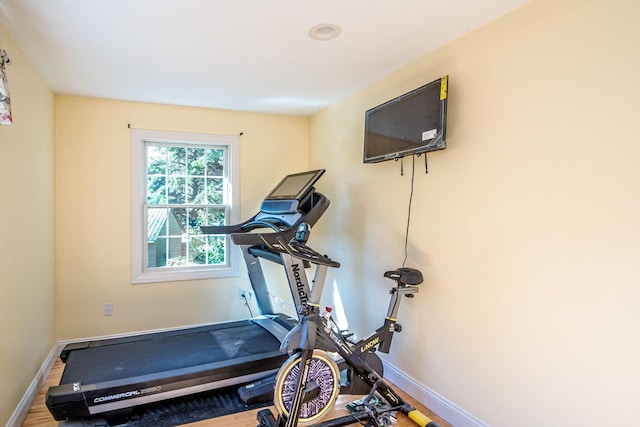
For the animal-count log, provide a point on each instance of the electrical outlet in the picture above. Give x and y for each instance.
(108, 309)
(243, 293)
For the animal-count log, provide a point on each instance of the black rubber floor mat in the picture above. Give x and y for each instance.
(178, 411)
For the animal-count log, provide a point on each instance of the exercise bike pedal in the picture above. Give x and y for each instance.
(384, 418)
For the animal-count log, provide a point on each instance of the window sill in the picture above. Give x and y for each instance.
(177, 275)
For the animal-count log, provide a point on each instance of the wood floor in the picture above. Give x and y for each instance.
(40, 416)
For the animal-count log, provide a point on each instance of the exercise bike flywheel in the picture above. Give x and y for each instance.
(322, 390)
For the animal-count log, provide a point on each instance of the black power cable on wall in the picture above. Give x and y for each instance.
(406, 237)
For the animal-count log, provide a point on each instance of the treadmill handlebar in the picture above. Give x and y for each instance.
(311, 209)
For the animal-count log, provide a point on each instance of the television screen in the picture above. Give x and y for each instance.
(409, 124)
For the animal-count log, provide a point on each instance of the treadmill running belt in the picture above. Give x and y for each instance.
(130, 359)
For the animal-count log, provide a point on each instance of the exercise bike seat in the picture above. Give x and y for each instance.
(405, 276)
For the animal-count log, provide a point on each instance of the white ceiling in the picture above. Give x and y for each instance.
(249, 55)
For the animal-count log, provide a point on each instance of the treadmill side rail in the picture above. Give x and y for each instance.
(273, 327)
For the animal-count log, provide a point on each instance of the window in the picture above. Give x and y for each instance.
(179, 182)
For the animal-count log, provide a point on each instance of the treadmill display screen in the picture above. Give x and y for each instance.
(295, 186)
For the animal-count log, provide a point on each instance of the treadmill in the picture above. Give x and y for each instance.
(110, 377)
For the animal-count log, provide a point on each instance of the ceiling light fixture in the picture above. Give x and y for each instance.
(323, 32)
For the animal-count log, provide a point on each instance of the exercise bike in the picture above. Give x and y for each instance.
(309, 381)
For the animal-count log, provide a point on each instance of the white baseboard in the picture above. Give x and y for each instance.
(445, 409)
(24, 406)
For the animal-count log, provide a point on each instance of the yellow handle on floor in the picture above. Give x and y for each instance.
(421, 419)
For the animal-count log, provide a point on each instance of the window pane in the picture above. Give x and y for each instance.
(177, 161)
(215, 191)
(215, 216)
(198, 250)
(216, 254)
(197, 217)
(156, 190)
(176, 191)
(196, 191)
(157, 252)
(197, 161)
(177, 222)
(215, 162)
(156, 160)
(177, 250)
(156, 222)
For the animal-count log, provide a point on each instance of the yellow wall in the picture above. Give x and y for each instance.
(527, 227)
(27, 298)
(93, 211)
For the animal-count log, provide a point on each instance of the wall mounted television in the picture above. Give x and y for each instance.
(409, 124)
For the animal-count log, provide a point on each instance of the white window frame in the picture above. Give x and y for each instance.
(139, 271)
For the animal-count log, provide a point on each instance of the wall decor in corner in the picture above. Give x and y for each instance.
(5, 99)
